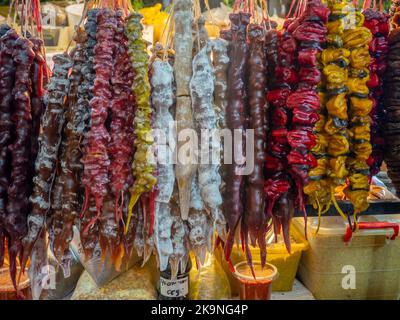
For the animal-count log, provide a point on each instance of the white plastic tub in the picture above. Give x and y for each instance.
(368, 267)
(74, 13)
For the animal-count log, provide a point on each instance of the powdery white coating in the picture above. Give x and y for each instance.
(49, 143)
(182, 69)
(221, 65)
(183, 45)
(179, 257)
(162, 227)
(202, 90)
(162, 98)
(200, 226)
(139, 240)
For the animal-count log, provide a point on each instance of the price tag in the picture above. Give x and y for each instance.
(174, 288)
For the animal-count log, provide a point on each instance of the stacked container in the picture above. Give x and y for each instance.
(367, 267)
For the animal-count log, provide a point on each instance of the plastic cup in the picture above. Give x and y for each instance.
(259, 288)
(7, 291)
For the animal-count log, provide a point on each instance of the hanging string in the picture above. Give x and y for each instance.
(167, 24)
(197, 13)
(290, 9)
(207, 4)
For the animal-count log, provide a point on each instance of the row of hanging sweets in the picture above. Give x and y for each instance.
(77, 149)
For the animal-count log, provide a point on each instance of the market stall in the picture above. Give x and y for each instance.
(198, 150)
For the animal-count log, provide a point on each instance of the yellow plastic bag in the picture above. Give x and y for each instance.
(210, 282)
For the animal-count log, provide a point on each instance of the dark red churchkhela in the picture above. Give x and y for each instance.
(278, 182)
(7, 74)
(378, 23)
(254, 223)
(235, 119)
(18, 190)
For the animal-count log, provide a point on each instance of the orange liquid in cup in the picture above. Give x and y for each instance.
(259, 288)
(7, 291)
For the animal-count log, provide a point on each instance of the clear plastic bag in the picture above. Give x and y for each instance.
(102, 272)
(210, 282)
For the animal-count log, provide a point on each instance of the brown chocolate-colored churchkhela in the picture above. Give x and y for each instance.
(71, 167)
(18, 191)
(7, 74)
(235, 120)
(254, 224)
(49, 143)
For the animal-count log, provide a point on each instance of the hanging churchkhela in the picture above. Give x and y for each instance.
(378, 23)
(23, 76)
(235, 120)
(356, 40)
(94, 149)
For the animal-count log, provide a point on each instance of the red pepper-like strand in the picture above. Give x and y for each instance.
(277, 97)
(301, 139)
(304, 97)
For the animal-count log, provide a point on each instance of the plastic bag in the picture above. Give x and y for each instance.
(218, 16)
(134, 284)
(210, 282)
(102, 272)
(65, 277)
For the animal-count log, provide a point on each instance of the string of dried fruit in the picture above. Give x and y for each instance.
(392, 103)
(183, 44)
(96, 158)
(49, 143)
(305, 103)
(378, 23)
(335, 61)
(18, 190)
(221, 62)
(235, 120)
(357, 40)
(71, 167)
(120, 148)
(205, 193)
(162, 98)
(7, 74)
(85, 94)
(143, 164)
(209, 179)
(278, 181)
(254, 225)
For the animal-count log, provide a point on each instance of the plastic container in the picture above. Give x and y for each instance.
(259, 288)
(277, 255)
(366, 267)
(7, 291)
(74, 13)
